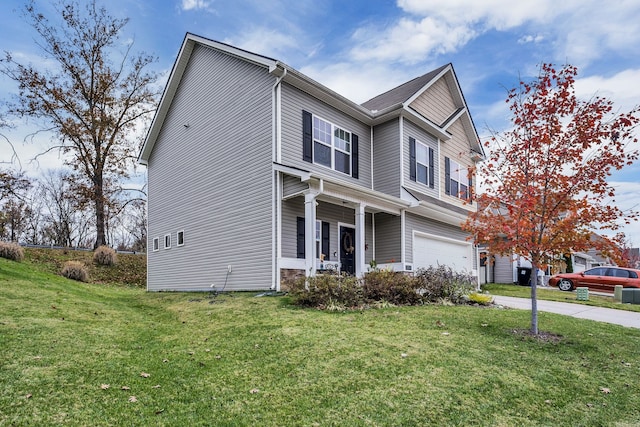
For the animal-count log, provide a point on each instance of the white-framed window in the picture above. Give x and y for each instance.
(167, 241)
(422, 163)
(180, 238)
(156, 244)
(459, 180)
(318, 238)
(331, 146)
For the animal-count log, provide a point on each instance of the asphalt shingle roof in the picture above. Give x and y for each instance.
(401, 93)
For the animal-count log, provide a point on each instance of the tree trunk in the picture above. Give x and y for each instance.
(98, 195)
(534, 299)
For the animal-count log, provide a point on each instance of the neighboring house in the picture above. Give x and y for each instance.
(258, 173)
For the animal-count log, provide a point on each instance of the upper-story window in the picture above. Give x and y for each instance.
(458, 179)
(421, 163)
(329, 145)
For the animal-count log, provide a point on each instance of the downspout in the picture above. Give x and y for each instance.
(276, 247)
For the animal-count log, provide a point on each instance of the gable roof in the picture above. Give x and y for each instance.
(402, 93)
(378, 109)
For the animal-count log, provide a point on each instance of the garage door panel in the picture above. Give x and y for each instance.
(433, 251)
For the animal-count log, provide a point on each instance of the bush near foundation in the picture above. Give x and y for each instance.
(383, 288)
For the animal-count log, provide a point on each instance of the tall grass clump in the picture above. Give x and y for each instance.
(327, 291)
(12, 251)
(75, 270)
(439, 284)
(104, 255)
(386, 286)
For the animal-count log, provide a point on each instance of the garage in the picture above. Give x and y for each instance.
(429, 250)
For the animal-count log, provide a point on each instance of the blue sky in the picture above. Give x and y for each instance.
(361, 48)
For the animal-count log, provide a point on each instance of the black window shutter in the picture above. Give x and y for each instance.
(300, 236)
(447, 176)
(354, 155)
(325, 239)
(412, 159)
(469, 190)
(307, 137)
(431, 169)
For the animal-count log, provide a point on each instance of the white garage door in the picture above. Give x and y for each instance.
(433, 251)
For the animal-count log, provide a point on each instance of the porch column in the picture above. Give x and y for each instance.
(360, 232)
(310, 234)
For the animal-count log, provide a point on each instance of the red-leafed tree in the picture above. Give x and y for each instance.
(544, 184)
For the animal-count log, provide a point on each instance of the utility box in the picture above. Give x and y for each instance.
(582, 294)
(617, 293)
(631, 296)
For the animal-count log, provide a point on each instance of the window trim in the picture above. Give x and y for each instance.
(333, 146)
(455, 172)
(156, 244)
(180, 234)
(167, 241)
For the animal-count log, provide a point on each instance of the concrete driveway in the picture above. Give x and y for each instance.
(609, 315)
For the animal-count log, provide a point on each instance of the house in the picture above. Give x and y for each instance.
(257, 173)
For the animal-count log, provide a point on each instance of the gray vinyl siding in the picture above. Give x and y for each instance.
(386, 158)
(503, 269)
(388, 229)
(291, 209)
(368, 237)
(327, 212)
(413, 131)
(294, 101)
(292, 185)
(429, 226)
(210, 174)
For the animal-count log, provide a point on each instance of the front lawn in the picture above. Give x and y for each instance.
(93, 354)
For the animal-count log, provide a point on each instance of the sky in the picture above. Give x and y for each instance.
(361, 48)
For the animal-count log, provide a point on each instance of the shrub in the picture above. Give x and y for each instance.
(105, 255)
(324, 291)
(437, 284)
(75, 270)
(482, 299)
(12, 251)
(391, 287)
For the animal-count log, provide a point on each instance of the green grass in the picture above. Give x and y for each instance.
(553, 294)
(242, 360)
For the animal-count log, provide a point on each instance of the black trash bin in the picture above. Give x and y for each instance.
(524, 276)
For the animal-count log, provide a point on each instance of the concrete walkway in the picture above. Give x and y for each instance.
(630, 319)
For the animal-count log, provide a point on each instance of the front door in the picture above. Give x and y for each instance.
(347, 249)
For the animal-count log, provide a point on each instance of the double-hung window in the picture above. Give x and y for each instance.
(421, 162)
(458, 180)
(331, 146)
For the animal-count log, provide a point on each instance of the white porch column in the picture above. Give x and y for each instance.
(360, 232)
(310, 234)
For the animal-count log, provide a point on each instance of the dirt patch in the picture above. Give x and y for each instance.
(541, 336)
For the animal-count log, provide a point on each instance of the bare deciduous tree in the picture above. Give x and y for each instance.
(94, 98)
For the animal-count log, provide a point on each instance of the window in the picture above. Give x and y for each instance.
(329, 145)
(180, 238)
(318, 238)
(458, 180)
(156, 244)
(421, 167)
(167, 241)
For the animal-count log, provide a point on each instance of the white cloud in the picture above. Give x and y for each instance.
(266, 41)
(195, 5)
(622, 88)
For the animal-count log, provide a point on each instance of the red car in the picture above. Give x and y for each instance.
(597, 278)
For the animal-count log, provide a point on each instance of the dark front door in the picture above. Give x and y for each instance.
(348, 249)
